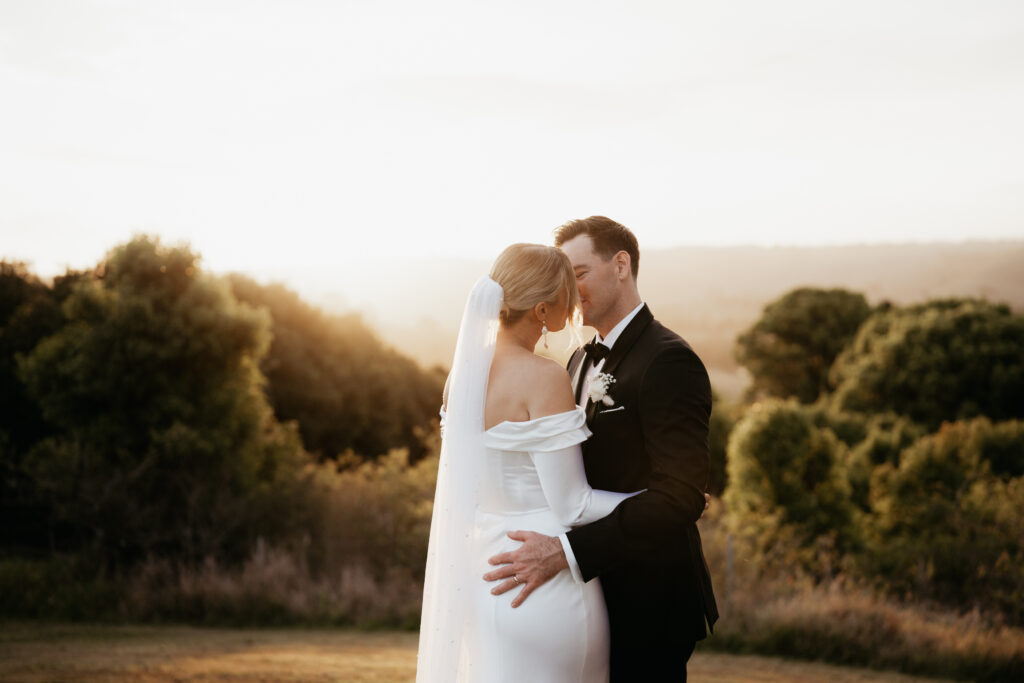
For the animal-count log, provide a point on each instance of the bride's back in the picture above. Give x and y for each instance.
(524, 386)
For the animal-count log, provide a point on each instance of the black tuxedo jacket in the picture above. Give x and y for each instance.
(655, 437)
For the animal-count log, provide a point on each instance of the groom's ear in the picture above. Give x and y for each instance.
(623, 265)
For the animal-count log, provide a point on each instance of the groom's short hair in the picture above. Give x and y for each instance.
(607, 236)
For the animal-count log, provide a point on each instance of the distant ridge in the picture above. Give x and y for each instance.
(710, 294)
(899, 272)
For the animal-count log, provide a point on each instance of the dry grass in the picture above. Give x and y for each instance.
(34, 652)
(273, 587)
(850, 627)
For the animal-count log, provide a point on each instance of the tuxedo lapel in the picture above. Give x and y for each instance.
(622, 346)
(626, 340)
(577, 371)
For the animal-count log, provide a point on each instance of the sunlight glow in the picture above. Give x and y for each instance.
(277, 135)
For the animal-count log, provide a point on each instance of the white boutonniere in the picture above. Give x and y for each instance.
(599, 387)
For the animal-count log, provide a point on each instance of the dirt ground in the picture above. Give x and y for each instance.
(52, 653)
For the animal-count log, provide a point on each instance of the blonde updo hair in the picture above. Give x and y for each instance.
(531, 274)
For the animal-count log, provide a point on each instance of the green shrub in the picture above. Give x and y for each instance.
(938, 361)
(720, 427)
(790, 349)
(946, 522)
(787, 479)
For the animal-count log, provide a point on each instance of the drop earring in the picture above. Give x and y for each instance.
(544, 332)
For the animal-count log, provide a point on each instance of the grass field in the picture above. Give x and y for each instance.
(47, 652)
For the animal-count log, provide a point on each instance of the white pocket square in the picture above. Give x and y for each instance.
(612, 410)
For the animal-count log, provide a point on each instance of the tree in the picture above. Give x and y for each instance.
(344, 387)
(790, 349)
(946, 520)
(163, 442)
(29, 311)
(786, 478)
(938, 361)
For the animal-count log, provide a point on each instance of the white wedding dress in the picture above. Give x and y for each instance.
(534, 480)
(514, 476)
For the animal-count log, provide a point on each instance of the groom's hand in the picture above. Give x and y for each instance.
(538, 559)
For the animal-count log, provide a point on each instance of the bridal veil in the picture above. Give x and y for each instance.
(445, 626)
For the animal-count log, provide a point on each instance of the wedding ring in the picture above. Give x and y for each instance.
(516, 579)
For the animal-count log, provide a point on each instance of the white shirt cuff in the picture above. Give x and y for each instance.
(574, 568)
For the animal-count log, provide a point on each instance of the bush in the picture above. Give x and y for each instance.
(773, 608)
(939, 361)
(884, 439)
(946, 522)
(790, 349)
(787, 479)
(359, 562)
(377, 514)
(719, 428)
(275, 585)
(855, 628)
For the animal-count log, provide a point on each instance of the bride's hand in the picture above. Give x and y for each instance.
(531, 565)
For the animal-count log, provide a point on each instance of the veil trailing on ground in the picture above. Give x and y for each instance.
(446, 623)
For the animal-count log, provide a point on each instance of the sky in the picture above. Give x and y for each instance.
(330, 137)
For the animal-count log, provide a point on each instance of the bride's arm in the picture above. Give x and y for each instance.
(561, 472)
(564, 481)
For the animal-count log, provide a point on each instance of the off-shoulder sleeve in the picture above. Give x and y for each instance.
(541, 435)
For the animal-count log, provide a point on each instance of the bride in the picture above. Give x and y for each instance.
(511, 459)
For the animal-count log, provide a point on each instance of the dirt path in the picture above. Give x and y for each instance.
(36, 653)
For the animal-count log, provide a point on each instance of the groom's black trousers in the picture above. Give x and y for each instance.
(653, 621)
(660, 664)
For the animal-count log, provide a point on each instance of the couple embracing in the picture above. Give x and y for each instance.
(563, 543)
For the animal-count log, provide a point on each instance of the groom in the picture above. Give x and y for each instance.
(650, 433)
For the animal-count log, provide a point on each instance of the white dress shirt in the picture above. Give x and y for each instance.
(608, 341)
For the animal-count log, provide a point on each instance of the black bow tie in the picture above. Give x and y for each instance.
(595, 351)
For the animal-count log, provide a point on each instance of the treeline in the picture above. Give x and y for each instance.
(885, 445)
(151, 413)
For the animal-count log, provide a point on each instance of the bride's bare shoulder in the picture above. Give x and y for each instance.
(552, 389)
(524, 386)
(547, 370)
